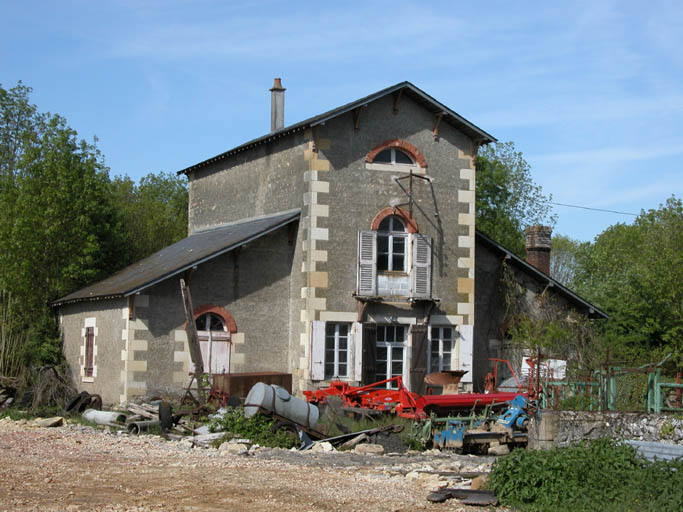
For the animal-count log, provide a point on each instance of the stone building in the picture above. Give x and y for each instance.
(342, 246)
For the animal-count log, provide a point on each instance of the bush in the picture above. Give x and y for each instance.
(598, 475)
(258, 429)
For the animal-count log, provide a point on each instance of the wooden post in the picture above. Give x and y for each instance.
(193, 339)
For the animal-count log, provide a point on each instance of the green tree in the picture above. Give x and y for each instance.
(635, 273)
(153, 212)
(563, 259)
(58, 226)
(507, 198)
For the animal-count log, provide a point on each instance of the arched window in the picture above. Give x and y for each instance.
(396, 155)
(214, 342)
(393, 156)
(391, 245)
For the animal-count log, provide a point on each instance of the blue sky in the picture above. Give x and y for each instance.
(590, 92)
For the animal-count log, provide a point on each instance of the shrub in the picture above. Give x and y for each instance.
(258, 429)
(597, 475)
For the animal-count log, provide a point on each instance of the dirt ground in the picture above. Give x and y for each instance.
(77, 468)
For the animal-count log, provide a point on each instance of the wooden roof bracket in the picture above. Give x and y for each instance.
(436, 125)
(397, 100)
(356, 117)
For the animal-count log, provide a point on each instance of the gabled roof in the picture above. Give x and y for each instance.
(542, 277)
(407, 88)
(185, 254)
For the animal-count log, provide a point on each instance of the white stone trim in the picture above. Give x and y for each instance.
(338, 316)
(402, 168)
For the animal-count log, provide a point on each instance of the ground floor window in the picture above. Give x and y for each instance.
(336, 350)
(391, 342)
(440, 349)
(89, 359)
(214, 342)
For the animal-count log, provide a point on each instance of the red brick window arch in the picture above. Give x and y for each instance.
(408, 221)
(394, 155)
(209, 312)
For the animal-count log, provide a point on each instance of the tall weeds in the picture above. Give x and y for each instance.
(12, 339)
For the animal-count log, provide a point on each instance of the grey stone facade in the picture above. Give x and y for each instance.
(290, 295)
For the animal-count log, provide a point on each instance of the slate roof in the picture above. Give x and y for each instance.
(407, 88)
(185, 254)
(524, 266)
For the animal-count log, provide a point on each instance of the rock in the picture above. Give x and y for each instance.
(499, 450)
(185, 444)
(232, 448)
(322, 446)
(433, 451)
(412, 475)
(57, 421)
(369, 449)
(479, 482)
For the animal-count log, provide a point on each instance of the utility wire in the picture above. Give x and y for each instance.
(595, 209)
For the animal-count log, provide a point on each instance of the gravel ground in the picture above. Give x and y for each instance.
(75, 467)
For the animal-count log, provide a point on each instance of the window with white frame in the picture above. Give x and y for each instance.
(391, 343)
(440, 349)
(393, 156)
(393, 262)
(391, 245)
(214, 342)
(337, 350)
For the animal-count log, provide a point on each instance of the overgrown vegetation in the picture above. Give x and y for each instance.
(597, 475)
(64, 224)
(259, 429)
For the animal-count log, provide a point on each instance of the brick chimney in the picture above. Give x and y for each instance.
(538, 247)
(277, 106)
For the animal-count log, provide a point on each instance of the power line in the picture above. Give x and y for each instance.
(594, 209)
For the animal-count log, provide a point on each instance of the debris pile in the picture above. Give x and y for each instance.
(8, 391)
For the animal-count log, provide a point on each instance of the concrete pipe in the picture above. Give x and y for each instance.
(276, 399)
(103, 417)
(136, 427)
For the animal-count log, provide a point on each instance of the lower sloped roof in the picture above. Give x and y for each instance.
(185, 254)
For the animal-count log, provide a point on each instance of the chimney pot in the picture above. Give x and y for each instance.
(277, 105)
(538, 245)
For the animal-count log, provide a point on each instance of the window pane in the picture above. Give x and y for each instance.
(396, 369)
(391, 332)
(381, 333)
(400, 334)
(402, 158)
(397, 224)
(382, 262)
(381, 354)
(385, 225)
(434, 366)
(216, 323)
(343, 355)
(329, 370)
(383, 157)
(435, 333)
(398, 244)
(343, 343)
(329, 343)
(329, 329)
(447, 333)
(342, 370)
(343, 329)
(397, 262)
(382, 244)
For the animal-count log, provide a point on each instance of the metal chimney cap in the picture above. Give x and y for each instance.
(277, 85)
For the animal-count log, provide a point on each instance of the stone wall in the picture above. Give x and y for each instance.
(560, 428)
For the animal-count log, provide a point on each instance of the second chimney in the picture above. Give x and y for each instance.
(538, 247)
(277, 106)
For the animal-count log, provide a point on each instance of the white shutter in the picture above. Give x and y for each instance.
(421, 275)
(367, 267)
(317, 350)
(357, 351)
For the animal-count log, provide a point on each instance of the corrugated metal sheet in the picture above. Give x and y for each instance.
(182, 255)
(407, 88)
(651, 450)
